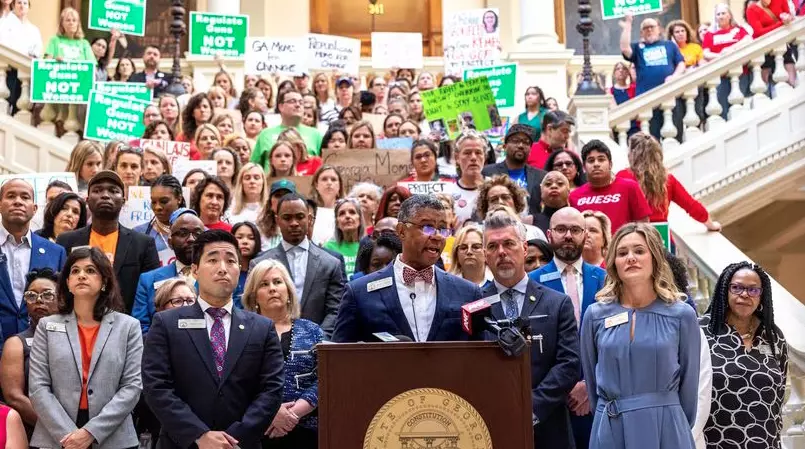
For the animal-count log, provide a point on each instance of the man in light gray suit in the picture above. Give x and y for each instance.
(316, 274)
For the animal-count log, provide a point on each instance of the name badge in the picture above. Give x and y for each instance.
(764, 349)
(56, 327)
(192, 323)
(379, 284)
(386, 337)
(550, 276)
(29, 341)
(616, 320)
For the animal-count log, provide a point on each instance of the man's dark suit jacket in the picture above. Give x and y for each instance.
(554, 361)
(181, 385)
(165, 79)
(135, 254)
(363, 313)
(533, 178)
(324, 284)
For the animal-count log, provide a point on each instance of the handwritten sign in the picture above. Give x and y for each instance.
(112, 117)
(471, 39)
(395, 143)
(466, 105)
(182, 166)
(212, 34)
(270, 55)
(138, 207)
(333, 52)
(428, 188)
(138, 91)
(502, 80)
(128, 16)
(382, 167)
(303, 184)
(61, 82)
(173, 150)
(397, 50)
(40, 181)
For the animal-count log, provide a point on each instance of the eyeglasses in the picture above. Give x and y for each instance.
(185, 233)
(738, 290)
(519, 141)
(46, 297)
(179, 302)
(558, 165)
(432, 230)
(474, 247)
(575, 231)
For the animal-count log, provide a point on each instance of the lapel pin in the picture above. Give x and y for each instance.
(241, 327)
(41, 250)
(532, 298)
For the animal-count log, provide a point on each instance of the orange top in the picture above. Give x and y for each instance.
(106, 243)
(87, 336)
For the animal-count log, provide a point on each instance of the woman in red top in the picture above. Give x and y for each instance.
(306, 164)
(724, 34)
(423, 158)
(765, 16)
(659, 186)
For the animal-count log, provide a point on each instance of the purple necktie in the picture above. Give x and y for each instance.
(218, 338)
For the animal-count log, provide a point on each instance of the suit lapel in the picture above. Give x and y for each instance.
(391, 299)
(497, 308)
(200, 338)
(239, 331)
(100, 342)
(312, 269)
(5, 281)
(71, 325)
(442, 302)
(123, 243)
(533, 295)
(38, 258)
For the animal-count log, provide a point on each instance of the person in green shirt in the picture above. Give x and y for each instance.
(535, 109)
(348, 232)
(69, 43)
(291, 111)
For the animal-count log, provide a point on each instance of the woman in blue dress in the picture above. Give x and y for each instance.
(640, 350)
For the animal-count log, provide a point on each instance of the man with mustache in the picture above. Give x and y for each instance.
(131, 253)
(568, 273)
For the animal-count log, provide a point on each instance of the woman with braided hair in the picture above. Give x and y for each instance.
(750, 361)
(166, 197)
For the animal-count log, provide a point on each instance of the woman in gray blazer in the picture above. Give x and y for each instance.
(85, 361)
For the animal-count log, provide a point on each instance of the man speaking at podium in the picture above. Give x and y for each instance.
(411, 296)
(555, 365)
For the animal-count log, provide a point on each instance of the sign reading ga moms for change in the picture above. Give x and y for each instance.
(128, 16)
(502, 79)
(112, 117)
(61, 82)
(469, 104)
(213, 34)
(613, 9)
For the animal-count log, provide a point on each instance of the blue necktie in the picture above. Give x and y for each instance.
(509, 305)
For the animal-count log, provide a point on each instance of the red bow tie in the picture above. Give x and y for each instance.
(410, 275)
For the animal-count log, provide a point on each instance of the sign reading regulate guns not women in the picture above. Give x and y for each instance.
(61, 82)
(111, 117)
(212, 34)
(128, 16)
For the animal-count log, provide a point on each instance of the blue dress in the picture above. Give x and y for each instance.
(644, 392)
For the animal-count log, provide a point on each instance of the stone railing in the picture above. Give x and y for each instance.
(602, 65)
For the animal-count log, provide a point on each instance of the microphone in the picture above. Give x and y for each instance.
(476, 317)
(473, 314)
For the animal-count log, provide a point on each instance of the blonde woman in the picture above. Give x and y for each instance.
(599, 234)
(155, 164)
(306, 164)
(224, 121)
(173, 293)
(207, 139)
(282, 160)
(86, 159)
(323, 90)
(69, 43)
(362, 136)
(640, 349)
(250, 194)
(468, 257)
(270, 292)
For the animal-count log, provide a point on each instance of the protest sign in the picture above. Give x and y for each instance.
(333, 53)
(138, 207)
(40, 181)
(382, 167)
(276, 55)
(395, 143)
(613, 9)
(212, 34)
(665, 232)
(471, 39)
(502, 80)
(128, 16)
(61, 82)
(397, 50)
(182, 166)
(174, 151)
(375, 119)
(324, 226)
(465, 105)
(112, 117)
(138, 91)
(303, 183)
(428, 188)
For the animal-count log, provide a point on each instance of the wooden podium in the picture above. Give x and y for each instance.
(411, 395)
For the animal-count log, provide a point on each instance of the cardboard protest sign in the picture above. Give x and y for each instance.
(173, 150)
(138, 91)
(61, 82)
(428, 188)
(128, 16)
(502, 79)
(471, 39)
(376, 120)
(212, 34)
(182, 166)
(614, 9)
(333, 52)
(397, 50)
(112, 117)
(382, 167)
(40, 181)
(395, 143)
(303, 183)
(280, 55)
(466, 105)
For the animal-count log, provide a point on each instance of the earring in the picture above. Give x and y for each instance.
(103, 289)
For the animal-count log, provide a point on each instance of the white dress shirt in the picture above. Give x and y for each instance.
(250, 212)
(18, 260)
(227, 319)
(297, 262)
(705, 397)
(518, 293)
(418, 301)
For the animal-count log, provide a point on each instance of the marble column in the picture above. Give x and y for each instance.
(223, 6)
(537, 25)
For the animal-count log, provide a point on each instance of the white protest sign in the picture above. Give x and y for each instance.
(40, 181)
(397, 50)
(324, 226)
(181, 167)
(428, 188)
(137, 209)
(276, 55)
(166, 257)
(333, 52)
(471, 40)
(173, 150)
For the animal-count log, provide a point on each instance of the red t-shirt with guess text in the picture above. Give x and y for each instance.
(622, 201)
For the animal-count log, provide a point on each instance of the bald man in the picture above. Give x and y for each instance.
(568, 273)
(21, 251)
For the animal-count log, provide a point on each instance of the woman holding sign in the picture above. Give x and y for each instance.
(69, 43)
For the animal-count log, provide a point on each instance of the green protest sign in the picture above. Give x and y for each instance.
(468, 104)
(112, 117)
(211, 34)
(61, 82)
(502, 79)
(128, 16)
(138, 91)
(613, 9)
(665, 232)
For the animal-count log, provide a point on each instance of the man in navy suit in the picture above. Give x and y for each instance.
(568, 273)
(151, 76)
(20, 252)
(411, 296)
(554, 343)
(185, 228)
(212, 373)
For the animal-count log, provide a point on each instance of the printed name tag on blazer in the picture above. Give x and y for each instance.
(550, 276)
(379, 284)
(56, 327)
(764, 349)
(191, 323)
(616, 320)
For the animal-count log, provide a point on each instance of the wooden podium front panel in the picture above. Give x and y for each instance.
(356, 380)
